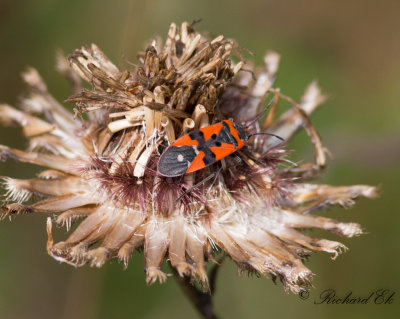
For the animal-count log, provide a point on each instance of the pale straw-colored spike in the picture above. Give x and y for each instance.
(158, 43)
(66, 218)
(137, 114)
(140, 166)
(192, 74)
(157, 120)
(93, 55)
(31, 125)
(190, 65)
(184, 32)
(136, 240)
(191, 46)
(244, 79)
(62, 203)
(217, 39)
(297, 220)
(62, 117)
(155, 247)
(166, 123)
(119, 125)
(333, 247)
(271, 245)
(33, 103)
(149, 117)
(118, 114)
(272, 60)
(210, 66)
(133, 115)
(104, 61)
(53, 144)
(195, 248)
(342, 195)
(80, 67)
(198, 114)
(103, 139)
(188, 124)
(54, 187)
(130, 221)
(169, 45)
(237, 67)
(110, 220)
(217, 233)
(50, 240)
(90, 224)
(53, 161)
(228, 50)
(139, 146)
(176, 249)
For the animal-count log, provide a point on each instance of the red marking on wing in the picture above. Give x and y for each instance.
(185, 140)
(241, 143)
(210, 130)
(235, 134)
(197, 163)
(223, 151)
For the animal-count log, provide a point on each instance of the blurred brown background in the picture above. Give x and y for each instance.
(352, 47)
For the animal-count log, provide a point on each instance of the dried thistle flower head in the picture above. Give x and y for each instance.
(102, 168)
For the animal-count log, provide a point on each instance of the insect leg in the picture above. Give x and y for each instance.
(198, 184)
(216, 176)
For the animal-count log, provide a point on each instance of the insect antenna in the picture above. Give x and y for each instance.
(261, 114)
(269, 134)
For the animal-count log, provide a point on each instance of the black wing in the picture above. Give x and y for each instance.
(175, 160)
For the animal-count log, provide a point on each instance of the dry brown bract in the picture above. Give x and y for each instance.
(103, 169)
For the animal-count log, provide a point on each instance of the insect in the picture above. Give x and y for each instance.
(201, 148)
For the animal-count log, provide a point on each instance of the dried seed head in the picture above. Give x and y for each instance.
(103, 170)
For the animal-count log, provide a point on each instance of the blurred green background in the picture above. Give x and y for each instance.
(352, 47)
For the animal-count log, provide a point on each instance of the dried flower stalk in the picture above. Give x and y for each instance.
(103, 169)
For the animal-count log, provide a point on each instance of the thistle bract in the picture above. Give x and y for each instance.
(101, 163)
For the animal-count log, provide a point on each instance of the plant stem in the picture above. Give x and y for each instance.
(201, 300)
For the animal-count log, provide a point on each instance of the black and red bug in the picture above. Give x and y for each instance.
(201, 148)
